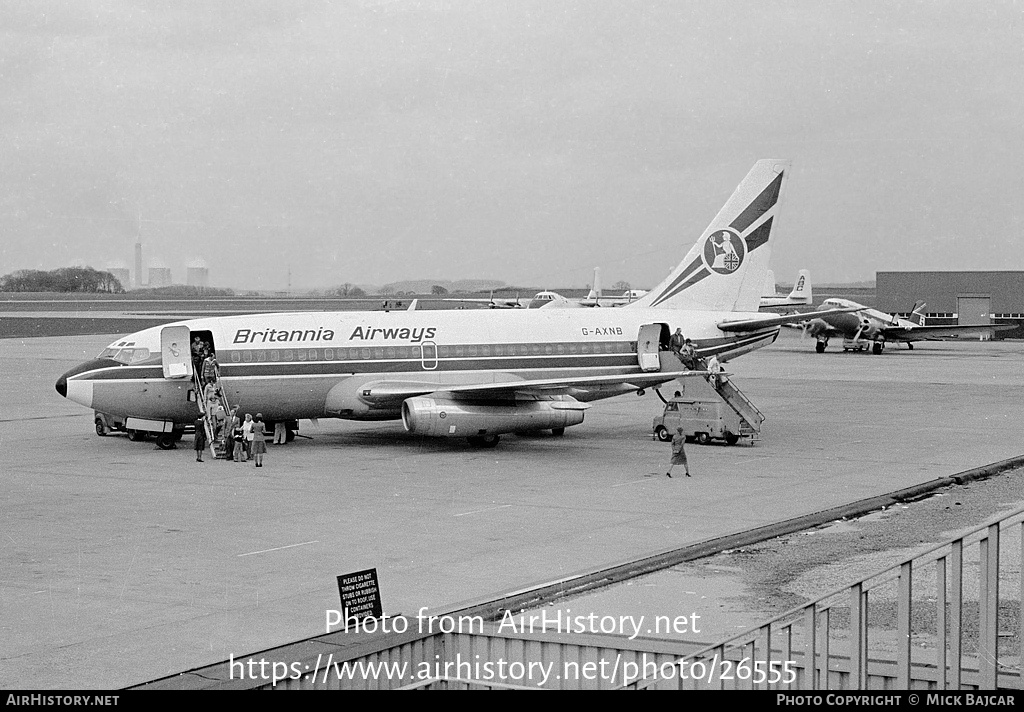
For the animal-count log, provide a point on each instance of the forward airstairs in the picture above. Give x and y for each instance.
(218, 446)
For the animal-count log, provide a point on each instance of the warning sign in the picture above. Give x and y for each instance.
(360, 594)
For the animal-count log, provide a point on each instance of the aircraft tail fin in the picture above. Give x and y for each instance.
(595, 291)
(917, 313)
(802, 292)
(725, 270)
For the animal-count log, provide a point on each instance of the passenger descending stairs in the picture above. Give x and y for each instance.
(218, 448)
(750, 417)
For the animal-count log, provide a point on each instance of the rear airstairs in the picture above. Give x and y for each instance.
(750, 417)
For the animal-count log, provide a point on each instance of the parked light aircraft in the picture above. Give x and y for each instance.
(800, 296)
(594, 298)
(862, 327)
(457, 373)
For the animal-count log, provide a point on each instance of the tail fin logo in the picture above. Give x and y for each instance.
(724, 252)
(800, 284)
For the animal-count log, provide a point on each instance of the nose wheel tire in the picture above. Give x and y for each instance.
(165, 441)
(483, 441)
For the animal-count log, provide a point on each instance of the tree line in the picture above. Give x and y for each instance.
(63, 279)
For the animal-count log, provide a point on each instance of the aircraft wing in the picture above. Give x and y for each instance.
(920, 333)
(489, 303)
(383, 391)
(783, 320)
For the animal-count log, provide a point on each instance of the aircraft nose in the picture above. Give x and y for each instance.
(62, 383)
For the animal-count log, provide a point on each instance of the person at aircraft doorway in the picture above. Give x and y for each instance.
(209, 370)
(678, 453)
(677, 342)
(689, 355)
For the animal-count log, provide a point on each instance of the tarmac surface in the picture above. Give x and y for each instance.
(123, 563)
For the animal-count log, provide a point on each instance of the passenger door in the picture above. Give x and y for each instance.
(175, 352)
(647, 347)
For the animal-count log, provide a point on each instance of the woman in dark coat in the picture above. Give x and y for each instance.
(200, 439)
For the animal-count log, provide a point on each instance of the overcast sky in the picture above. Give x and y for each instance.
(529, 142)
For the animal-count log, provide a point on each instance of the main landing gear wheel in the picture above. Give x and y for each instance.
(663, 434)
(136, 436)
(702, 438)
(165, 441)
(558, 432)
(289, 435)
(101, 430)
(876, 348)
(820, 347)
(483, 441)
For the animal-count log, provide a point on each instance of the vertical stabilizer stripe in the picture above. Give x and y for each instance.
(759, 236)
(698, 262)
(760, 205)
(668, 294)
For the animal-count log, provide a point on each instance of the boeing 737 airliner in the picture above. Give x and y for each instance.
(457, 373)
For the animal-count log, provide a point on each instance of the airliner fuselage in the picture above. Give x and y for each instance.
(318, 364)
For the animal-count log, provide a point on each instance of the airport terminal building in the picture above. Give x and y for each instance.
(956, 297)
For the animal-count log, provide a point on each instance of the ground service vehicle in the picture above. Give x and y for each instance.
(701, 420)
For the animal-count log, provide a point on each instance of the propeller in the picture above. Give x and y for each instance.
(813, 327)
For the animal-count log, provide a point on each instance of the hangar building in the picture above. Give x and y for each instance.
(956, 297)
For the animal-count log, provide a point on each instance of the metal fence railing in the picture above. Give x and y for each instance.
(949, 618)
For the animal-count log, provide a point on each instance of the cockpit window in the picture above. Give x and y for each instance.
(126, 355)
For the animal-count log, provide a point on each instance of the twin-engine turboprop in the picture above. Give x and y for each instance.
(862, 328)
(456, 373)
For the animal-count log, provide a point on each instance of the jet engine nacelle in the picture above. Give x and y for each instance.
(456, 418)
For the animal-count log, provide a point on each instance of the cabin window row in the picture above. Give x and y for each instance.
(368, 353)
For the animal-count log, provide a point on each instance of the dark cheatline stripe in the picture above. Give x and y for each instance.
(759, 236)
(344, 368)
(760, 205)
(697, 262)
(734, 344)
(689, 283)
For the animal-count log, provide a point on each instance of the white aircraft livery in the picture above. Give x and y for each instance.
(455, 373)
